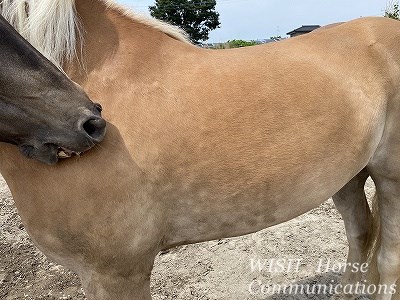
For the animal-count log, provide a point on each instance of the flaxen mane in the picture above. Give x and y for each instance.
(52, 26)
(172, 31)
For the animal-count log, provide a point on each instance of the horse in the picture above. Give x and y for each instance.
(204, 144)
(42, 112)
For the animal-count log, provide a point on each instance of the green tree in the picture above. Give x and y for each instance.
(240, 43)
(196, 17)
(392, 11)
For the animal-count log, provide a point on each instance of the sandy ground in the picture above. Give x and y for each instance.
(213, 270)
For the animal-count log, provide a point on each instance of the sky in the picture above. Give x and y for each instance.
(261, 19)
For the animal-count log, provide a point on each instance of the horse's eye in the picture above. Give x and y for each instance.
(98, 107)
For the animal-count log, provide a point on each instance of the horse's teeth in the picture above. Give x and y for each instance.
(62, 154)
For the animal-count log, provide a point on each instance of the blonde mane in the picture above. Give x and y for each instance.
(52, 26)
(170, 30)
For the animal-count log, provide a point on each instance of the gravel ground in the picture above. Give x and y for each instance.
(214, 270)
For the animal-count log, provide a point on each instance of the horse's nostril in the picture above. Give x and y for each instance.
(95, 127)
(98, 107)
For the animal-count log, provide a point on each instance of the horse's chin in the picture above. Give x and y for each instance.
(46, 153)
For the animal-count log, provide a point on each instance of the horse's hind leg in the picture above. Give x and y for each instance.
(388, 258)
(352, 204)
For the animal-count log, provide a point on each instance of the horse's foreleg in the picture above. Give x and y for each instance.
(108, 285)
(104, 287)
(352, 204)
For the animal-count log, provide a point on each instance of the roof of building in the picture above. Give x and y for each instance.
(303, 29)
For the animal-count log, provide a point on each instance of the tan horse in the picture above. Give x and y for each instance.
(207, 144)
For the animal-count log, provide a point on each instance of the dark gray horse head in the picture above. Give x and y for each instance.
(41, 111)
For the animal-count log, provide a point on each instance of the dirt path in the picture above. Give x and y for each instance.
(214, 270)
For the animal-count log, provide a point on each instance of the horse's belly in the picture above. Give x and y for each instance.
(228, 205)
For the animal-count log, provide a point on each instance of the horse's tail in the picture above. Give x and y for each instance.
(374, 240)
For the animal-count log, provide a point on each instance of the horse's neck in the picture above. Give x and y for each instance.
(112, 38)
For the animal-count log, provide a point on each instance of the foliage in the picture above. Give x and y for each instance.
(196, 17)
(240, 43)
(392, 11)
